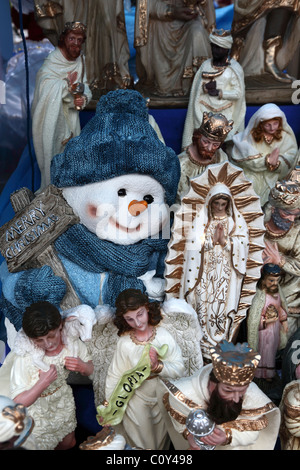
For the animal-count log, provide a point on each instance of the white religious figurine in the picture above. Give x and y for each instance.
(244, 417)
(36, 370)
(282, 240)
(267, 322)
(215, 251)
(61, 91)
(145, 350)
(171, 41)
(266, 36)
(106, 439)
(290, 416)
(204, 150)
(218, 87)
(266, 149)
(106, 48)
(15, 426)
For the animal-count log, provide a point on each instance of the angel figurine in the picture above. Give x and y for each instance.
(144, 349)
(215, 251)
(35, 372)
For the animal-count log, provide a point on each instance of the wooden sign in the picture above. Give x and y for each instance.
(27, 240)
(35, 227)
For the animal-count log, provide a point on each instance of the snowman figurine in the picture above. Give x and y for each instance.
(120, 180)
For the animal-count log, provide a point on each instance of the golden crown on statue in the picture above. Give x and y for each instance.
(215, 126)
(234, 364)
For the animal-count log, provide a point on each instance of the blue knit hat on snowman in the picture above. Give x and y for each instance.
(118, 140)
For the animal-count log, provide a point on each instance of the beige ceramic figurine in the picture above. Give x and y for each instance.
(266, 149)
(55, 109)
(204, 150)
(171, 41)
(266, 36)
(282, 240)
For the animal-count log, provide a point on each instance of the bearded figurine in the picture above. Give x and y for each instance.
(244, 417)
(267, 322)
(204, 150)
(282, 240)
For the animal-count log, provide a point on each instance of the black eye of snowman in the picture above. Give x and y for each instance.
(122, 192)
(148, 198)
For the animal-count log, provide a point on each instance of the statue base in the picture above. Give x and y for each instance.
(261, 89)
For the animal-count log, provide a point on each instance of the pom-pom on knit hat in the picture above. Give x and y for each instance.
(117, 141)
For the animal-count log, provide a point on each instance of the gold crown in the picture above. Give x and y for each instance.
(215, 126)
(76, 26)
(234, 364)
(285, 195)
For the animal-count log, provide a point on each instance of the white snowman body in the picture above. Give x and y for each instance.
(123, 210)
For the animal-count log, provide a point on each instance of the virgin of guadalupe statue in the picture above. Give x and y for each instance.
(215, 251)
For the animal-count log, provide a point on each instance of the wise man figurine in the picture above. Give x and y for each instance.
(245, 418)
(205, 149)
(282, 240)
(218, 87)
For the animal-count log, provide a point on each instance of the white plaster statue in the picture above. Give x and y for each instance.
(215, 251)
(125, 382)
(36, 370)
(244, 417)
(266, 149)
(61, 90)
(106, 48)
(218, 87)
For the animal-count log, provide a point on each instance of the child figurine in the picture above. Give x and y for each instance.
(40, 367)
(135, 369)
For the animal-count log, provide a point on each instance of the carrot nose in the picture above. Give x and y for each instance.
(136, 207)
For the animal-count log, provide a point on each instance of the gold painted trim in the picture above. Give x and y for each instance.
(142, 38)
(247, 424)
(245, 21)
(215, 110)
(250, 157)
(136, 341)
(179, 395)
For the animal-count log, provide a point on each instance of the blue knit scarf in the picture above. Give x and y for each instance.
(124, 263)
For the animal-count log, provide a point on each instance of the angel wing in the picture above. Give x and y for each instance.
(181, 320)
(102, 347)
